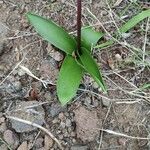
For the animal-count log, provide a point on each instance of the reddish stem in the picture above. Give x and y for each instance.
(79, 9)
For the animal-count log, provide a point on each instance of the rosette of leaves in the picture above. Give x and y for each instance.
(75, 64)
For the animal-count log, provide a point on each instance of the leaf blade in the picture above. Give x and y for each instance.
(133, 21)
(89, 64)
(90, 37)
(54, 34)
(69, 79)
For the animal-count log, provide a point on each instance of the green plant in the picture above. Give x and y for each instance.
(78, 58)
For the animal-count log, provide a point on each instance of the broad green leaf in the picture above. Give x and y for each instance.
(89, 64)
(69, 79)
(54, 34)
(133, 21)
(90, 37)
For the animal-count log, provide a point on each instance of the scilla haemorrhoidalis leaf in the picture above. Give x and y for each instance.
(69, 79)
(89, 64)
(90, 37)
(54, 34)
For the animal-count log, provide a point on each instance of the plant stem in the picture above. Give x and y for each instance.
(79, 9)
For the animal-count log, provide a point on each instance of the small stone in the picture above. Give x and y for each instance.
(106, 102)
(68, 123)
(73, 134)
(79, 147)
(17, 85)
(55, 109)
(23, 146)
(48, 142)
(61, 116)
(39, 143)
(3, 127)
(26, 112)
(87, 101)
(56, 120)
(2, 120)
(118, 57)
(3, 147)
(60, 136)
(63, 125)
(11, 139)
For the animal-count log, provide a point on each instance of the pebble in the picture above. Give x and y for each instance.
(17, 85)
(2, 120)
(34, 114)
(118, 57)
(23, 146)
(3, 147)
(3, 127)
(68, 123)
(55, 109)
(106, 102)
(11, 138)
(48, 142)
(61, 116)
(56, 120)
(39, 143)
(63, 125)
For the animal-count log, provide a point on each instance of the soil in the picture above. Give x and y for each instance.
(93, 120)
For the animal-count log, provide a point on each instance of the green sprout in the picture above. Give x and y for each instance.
(78, 59)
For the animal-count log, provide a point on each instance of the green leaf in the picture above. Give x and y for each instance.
(89, 64)
(90, 37)
(69, 79)
(133, 21)
(54, 34)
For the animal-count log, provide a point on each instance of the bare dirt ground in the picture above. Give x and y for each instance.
(119, 120)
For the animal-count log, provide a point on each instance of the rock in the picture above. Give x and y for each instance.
(63, 125)
(118, 57)
(26, 112)
(55, 109)
(79, 147)
(87, 124)
(11, 139)
(39, 143)
(61, 116)
(17, 85)
(23, 146)
(2, 120)
(3, 127)
(3, 147)
(48, 142)
(106, 102)
(68, 123)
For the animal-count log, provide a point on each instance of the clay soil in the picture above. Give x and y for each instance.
(118, 120)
